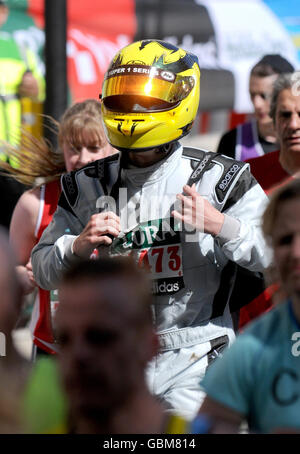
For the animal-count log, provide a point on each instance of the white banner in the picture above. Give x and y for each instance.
(245, 31)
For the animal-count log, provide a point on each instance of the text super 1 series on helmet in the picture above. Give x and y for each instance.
(150, 95)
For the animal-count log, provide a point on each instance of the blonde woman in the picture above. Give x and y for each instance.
(81, 140)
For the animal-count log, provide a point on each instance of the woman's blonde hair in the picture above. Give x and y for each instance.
(36, 159)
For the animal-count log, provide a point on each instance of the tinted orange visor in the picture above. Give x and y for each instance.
(153, 88)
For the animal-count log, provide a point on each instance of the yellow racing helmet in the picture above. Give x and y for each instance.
(150, 95)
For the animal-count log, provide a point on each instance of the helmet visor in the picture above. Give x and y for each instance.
(144, 88)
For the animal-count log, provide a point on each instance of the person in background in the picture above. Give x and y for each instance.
(285, 112)
(19, 77)
(81, 140)
(277, 168)
(258, 136)
(256, 142)
(258, 379)
(105, 330)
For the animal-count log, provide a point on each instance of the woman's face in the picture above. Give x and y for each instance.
(286, 244)
(77, 155)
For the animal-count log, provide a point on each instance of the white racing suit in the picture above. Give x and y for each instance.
(193, 274)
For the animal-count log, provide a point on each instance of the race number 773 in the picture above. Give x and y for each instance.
(164, 260)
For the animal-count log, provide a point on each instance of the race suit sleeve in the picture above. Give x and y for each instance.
(78, 202)
(245, 245)
(53, 254)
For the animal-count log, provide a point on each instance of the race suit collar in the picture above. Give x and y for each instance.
(148, 175)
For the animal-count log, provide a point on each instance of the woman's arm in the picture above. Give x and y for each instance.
(222, 419)
(22, 235)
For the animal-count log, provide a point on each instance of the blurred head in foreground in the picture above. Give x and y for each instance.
(104, 326)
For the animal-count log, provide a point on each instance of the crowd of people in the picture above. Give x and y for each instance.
(137, 246)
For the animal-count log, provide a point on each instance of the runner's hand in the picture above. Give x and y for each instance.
(96, 233)
(26, 278)
(197, 212)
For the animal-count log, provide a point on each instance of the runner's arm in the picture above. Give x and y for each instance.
(22, 235)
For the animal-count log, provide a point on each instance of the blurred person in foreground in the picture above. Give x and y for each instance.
(81, 140)
(257, 137)
(19, 78)
(258, 378)
(104, 326)
(14, 368)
